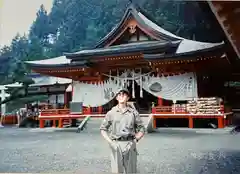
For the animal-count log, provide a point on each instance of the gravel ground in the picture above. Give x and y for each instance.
(32, 150)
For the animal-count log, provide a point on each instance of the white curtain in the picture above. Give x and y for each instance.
(96, 94)
(177, 87)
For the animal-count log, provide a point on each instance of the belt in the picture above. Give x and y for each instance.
(125, 138)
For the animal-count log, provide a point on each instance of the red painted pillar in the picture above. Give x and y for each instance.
(60, 124)
(88, 110)
(154, 123)
(154, 119)
(222, 109)
(190, 122)
(65, 99)
(54, 123)
(220, 122)
(41, 123)
(154, 110)
(160, 101)
(100, 109)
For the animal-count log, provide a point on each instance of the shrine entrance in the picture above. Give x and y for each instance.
(143, 103)
(142, 99)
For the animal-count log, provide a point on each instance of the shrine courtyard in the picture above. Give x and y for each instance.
(65, 151)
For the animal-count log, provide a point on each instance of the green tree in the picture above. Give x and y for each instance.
(41, 27)
(75, 24)
(6, 51)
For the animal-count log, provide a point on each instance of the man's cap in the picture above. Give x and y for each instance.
(124, 90)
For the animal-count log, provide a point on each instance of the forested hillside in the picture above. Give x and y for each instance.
(75, 24)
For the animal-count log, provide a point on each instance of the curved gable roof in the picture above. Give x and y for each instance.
(186, 45)
(143, 21)
(164, 39)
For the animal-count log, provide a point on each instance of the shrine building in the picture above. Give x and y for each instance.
(165, 73)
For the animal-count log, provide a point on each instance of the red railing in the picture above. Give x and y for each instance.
(9, 119)
(86, 110)
(169, 109)
(96, 110)
(55, 112)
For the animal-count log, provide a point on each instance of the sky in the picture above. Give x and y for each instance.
(16, 16)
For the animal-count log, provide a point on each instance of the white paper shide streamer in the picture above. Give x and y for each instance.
(133, 86)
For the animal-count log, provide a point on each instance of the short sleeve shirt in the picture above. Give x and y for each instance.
(122, 123)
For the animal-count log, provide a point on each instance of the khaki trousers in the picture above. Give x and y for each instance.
(124, 157)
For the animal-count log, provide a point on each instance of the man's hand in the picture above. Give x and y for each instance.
(113, 145)
(135, 140)
(110, 142)
(138, 136)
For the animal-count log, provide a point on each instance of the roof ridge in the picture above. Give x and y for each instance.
(134, 6)
(138, 9)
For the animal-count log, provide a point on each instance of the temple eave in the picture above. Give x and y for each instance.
(79, 64)
(123, 49)
(227, 14)
(47, 66)
(207, 52)
(130, 60)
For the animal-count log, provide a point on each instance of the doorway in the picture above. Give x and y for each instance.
(143, 104)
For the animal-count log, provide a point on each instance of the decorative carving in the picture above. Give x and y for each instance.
(132, 29)
(156, 87)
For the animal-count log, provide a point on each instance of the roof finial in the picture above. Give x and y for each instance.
(131, 3)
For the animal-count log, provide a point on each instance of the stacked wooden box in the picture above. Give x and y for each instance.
(204, 106)
(192, 106)
(179, 108)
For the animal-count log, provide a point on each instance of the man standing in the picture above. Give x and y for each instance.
(125, 129)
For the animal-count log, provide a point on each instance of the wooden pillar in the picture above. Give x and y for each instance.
(220, 122)
(60, 124)
(54, 123)
(160, 101)
(65, 99)
(100, 109)
(154, 110)
(190, 122)
(154, 122)
(41, 123)
(222, 109)
(88, 110)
